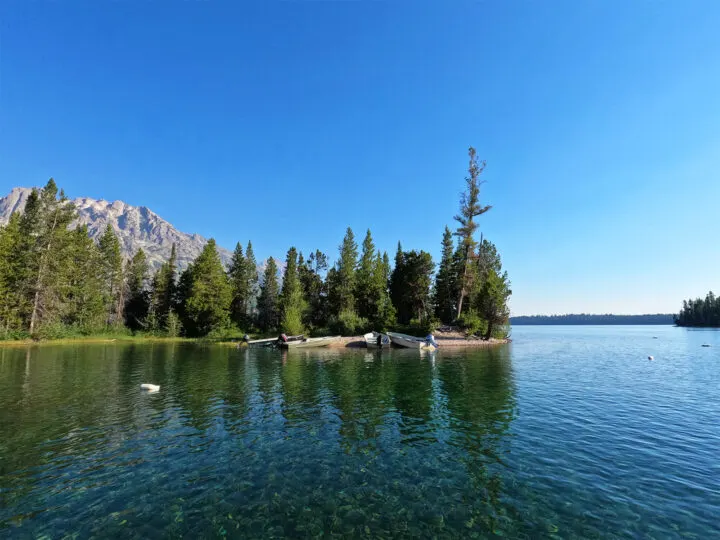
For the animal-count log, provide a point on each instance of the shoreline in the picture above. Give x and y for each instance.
(449, 340)
(358, 342)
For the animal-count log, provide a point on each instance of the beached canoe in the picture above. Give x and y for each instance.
(410, 342)
(377, 340)
(309, 342)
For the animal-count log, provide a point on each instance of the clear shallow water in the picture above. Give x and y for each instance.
(570, 432)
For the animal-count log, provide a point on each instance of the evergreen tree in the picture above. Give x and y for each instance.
(383, 316)
(252, 280)
(84, 299)
(292, 304)
(397, 282)
(418, 278)
(137, 294)
(470, 208)
(11, 275)
(208, 304)
(44, 228)
(268, 312)
(445, 282)
(365, 293)
(342, 286)
(112, 271)
(163, 292)
(310, 274)
(239, 281)
(410, 285)
(492, 301)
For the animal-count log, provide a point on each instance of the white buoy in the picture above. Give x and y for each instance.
(651, 358)
(150, 387)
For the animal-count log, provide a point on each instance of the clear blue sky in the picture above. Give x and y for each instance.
(286, 122)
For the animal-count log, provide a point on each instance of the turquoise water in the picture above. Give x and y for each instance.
(569, 432)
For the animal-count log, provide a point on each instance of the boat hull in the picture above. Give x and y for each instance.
(410, 342)
(309, 343)
(371, 340)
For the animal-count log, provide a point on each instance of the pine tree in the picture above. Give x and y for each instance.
(397, 283)
(136, 291)
(268, 313)
(418, 271)
(84, 298)
(492, 301)
(343, 283)
(470, 208)
(239, 282)
(310, 274)
(383, 316)
(208, 304)
(44, 228)
(291, 303)
(163, 295)
(252, 279)
(445, 282)
(113, 280)
(365, 295)
(11, 274)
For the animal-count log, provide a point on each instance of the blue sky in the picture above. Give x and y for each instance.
(286, 122)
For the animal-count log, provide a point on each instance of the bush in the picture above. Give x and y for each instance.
(349, 323)
(227, 332)
(173, 326)
(472, 323)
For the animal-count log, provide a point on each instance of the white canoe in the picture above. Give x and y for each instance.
(410, 342)
(309, 342)
(371, 340)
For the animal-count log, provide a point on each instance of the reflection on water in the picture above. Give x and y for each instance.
(263, 443)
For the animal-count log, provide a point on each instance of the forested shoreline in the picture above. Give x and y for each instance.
(56, 282)
(588, 319)
(701, 312)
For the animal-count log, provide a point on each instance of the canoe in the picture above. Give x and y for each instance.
(371, 340)
(309, 342)
(410, 342)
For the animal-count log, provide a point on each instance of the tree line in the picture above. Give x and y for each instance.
(586, 318)
(700, 312)
(55, 281)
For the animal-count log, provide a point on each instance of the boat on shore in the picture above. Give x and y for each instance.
(411, 342)
(377, 340)
(309, 342)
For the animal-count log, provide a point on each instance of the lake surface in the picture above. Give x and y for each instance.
(569, 432)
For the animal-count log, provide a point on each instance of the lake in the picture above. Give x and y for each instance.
(568, 432)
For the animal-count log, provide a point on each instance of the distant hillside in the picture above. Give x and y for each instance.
(582, 318)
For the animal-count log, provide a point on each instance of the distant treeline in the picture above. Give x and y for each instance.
(700, 312)
(56, 281)
(584, 318)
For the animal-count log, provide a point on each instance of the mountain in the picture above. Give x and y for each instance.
(135, 226)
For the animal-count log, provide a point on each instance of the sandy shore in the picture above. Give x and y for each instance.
(450, 338)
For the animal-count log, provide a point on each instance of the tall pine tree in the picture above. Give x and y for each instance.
(342, 285)
(268, 311)
(163, 293)
(44, 228)
(136, 291)
(252, 279)
(365, 293)
(238, 276)
(113, 281)
(208, 304)
(445, 282)
(292, 304)
(470, 209)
